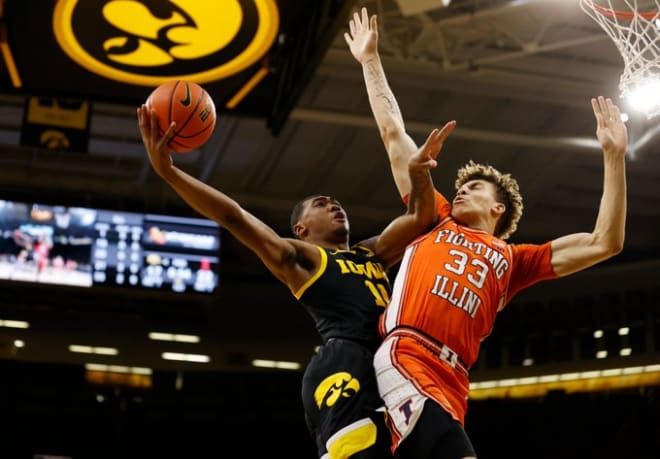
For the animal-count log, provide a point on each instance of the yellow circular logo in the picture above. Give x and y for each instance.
(334, 388)
(149, 42)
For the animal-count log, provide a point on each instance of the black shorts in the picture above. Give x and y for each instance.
(339, 391)
(436, 435)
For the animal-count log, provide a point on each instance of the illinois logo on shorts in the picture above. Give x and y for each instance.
(148, 42)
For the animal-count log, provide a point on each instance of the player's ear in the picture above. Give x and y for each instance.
(299, 230)
(498, 209)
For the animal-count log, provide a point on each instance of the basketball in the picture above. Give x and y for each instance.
(190, 106)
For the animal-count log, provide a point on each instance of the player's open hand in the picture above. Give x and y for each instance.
(363, 37)
(610, 130)
(425, 157)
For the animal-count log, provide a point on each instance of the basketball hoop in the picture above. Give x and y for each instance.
(634, 26)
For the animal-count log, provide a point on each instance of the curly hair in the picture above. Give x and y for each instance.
(508, 193)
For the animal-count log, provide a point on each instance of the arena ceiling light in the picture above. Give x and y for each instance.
(410, 7)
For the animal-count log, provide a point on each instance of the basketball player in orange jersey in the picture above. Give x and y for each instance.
(454, 281)
(344, 288)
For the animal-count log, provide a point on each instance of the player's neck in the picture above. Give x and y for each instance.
(483, 224)
(331, 244)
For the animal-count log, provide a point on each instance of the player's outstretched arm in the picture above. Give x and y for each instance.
(421, 215)
(575, 252)
(282, 256)
(362, 40)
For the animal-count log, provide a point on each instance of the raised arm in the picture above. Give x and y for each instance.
(282, 256)
(576, 252)
(363, 43)
(421, 215)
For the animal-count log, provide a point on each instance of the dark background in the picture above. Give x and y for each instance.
(50, 410)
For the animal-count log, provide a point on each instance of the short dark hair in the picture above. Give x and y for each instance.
(298, 210)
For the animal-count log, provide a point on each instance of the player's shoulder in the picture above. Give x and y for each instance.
(363, 248)
(366, 246)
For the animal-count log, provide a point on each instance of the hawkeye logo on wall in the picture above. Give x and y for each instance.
(148, 42)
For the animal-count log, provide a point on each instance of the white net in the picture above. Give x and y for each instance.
(634, 26)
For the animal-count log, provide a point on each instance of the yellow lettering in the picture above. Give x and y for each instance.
(342, 266)
(380, 293)
(355, 268)
(369, 269)
(374, 271)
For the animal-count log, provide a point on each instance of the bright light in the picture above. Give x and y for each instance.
(646, 95)
(601, 354)
(197, 358)
(80, 349)
(598, 334)
(590, 374)
(283, 365)
(623, 331)
(14, 324)
(19, 343)
(117, 369)
(84, 349)
(159, 336)
(569, 376)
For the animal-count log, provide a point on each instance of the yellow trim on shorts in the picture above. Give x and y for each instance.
(352, 439)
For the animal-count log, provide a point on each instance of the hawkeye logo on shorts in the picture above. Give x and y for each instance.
(335, 387)
(148, 42)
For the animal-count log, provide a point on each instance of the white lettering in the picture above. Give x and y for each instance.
(469, 301)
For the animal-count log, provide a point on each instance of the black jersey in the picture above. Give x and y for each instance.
(347, 295)
(346, 298)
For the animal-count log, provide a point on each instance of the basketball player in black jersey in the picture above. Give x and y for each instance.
(344, 288)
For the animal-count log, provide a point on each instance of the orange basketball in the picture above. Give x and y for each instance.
(190, 106)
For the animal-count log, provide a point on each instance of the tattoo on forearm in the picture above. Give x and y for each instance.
(381, 90)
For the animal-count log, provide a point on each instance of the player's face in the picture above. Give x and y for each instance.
(324, 214)
(475, 200)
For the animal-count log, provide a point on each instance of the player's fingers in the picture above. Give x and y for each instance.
(597, 112)
(594, 106)
(613, 110)
(604, 108)
(374, 23)
(431, 139)
(447, 129)
(153, 122)
(356, 20)
(170, 132)
(351, 27)
(365, 17)
(144, 122)
(167, 136)
(348, 39)
(433, 144)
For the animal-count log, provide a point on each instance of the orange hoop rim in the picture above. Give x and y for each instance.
(625, 15)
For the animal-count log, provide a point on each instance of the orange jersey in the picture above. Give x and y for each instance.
(450, 286)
